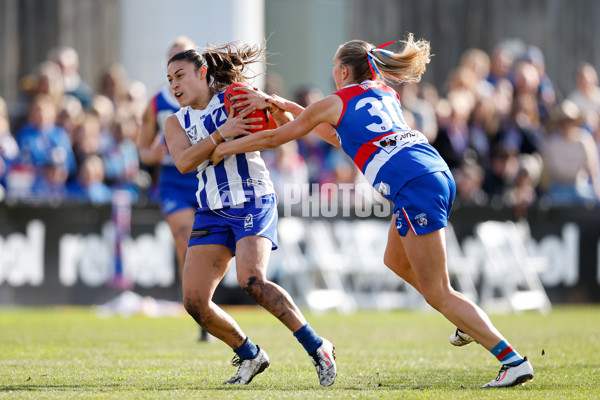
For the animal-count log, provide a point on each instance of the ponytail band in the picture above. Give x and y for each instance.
(371, 56)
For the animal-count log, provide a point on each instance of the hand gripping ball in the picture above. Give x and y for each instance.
(267, 119)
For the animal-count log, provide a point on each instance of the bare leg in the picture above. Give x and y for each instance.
(423, 258)
(181, 223)
(205, 267)
(252, 258)
(395, 257)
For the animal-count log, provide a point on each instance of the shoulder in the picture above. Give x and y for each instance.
(172, 122)
(326, 104)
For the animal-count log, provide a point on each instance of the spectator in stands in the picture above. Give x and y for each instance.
(86, 138)
(121, 162)
(464, 81)
(9, 150)
(313, 150)
(46, 81)
(501, 63)
(501, 174)
(478, 62)
(429, 93)
(521, 132)
(422, 111)
(452, 141)
(546, 95)
(114, 83)
(586, 95)
(70, 114)
(90, 186)
(51, 183)
(570, 156)
(68, 61)
(40, 136)
(483, 127)
(135, 101)
(288, 171)
(105, 110)
(469, 184)
(523, 193)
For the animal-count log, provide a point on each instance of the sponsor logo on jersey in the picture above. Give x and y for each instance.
(390, 142)
(248, 222)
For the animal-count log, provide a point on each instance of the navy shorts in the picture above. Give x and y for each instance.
(226, 226)
(177, 191)
(423, 205)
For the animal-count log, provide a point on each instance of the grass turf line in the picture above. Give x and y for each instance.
(57, 353)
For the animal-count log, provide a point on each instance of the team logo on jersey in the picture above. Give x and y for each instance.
(383, 188)
(387, 142)
(398, 222)
(192, 133)
(421, 219)
(248, 222)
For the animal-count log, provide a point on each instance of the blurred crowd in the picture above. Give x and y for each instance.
(509, 135)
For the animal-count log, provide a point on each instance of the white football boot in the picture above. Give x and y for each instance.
(512, 375)
(324, 360)
(249, 368)
(459, 338)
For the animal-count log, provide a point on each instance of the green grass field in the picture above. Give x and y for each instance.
(58, 353)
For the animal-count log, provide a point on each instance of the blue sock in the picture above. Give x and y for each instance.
(246, 351)
(504, 352)
(308, 338)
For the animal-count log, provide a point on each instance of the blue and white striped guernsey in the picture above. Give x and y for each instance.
(236, 179)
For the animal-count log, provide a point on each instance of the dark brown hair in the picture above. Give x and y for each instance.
(224, 64)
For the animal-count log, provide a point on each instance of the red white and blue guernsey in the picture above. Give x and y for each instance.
(372, 131)
(238, 178)
(175, 190)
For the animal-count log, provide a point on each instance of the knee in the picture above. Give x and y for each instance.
(400, 267)
(198, 309)
(254, 287)
(437, 297)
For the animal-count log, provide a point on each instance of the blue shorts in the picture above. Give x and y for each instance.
(423, 205)
(228, 225)
(176, 191)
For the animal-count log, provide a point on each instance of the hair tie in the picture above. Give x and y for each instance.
(371, 56)
(372, 66)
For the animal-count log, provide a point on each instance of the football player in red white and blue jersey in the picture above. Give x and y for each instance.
(365, 117)
(237, 210)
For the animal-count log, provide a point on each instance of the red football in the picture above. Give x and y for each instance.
(267, 119)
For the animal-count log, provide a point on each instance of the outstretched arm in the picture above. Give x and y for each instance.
(252, 97)
(324, 130)
(327, 110)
